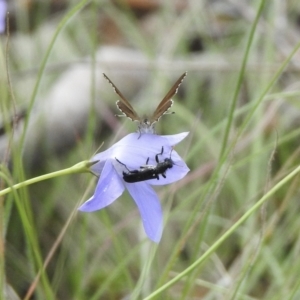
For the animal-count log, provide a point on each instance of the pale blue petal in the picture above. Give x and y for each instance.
(110, 186)
(143, 146)
(134, 158)
(174, 139)
(3, 8)
(177, 172)
(146, 140)
(134, 149)
(149, 208)
(101, 158)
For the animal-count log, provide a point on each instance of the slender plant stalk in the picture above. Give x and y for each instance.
(240, 79)
(227, 234)
(78, 168)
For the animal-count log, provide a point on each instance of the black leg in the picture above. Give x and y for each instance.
(156, 156)
(122, 164)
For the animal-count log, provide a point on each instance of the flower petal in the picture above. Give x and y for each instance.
(110, 186)
(174, 139)
(101, 157)
(134, 149)
(149, 207)
(134, 160)
(3, 8)
(177, 172)
(146, 140)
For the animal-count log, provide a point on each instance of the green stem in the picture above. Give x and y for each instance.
(230, 231)
(240, 79)
(78, 168)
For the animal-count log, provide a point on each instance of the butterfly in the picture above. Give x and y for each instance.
(146, 124)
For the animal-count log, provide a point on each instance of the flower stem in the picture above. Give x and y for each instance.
(224, 237)
(78, 168)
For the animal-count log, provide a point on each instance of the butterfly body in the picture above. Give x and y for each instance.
(146, 124)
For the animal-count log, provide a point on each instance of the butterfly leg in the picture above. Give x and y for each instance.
(140, 133)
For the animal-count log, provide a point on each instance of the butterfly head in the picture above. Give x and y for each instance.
(146, 125)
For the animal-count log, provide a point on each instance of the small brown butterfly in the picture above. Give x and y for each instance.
(146, 125)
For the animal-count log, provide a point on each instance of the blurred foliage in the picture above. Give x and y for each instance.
(104, 255)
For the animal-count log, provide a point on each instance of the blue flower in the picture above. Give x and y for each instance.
(3, 8)
(130, 153)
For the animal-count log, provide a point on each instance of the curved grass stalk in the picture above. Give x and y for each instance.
(227, 234)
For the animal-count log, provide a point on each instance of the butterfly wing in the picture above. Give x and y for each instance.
(167, 101)
(127, 111)
(123, 105)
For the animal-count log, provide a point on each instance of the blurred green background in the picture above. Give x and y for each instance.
(244, 138)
